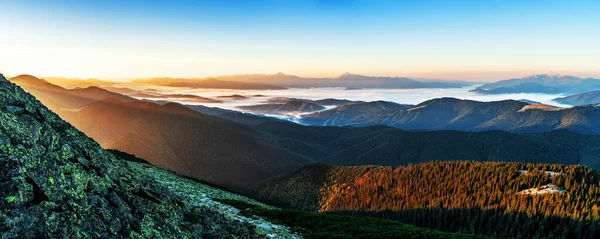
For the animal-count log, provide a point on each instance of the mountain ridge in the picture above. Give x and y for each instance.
(542, 83)
(466, 115)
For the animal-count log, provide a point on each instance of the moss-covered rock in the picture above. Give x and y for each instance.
(57, 183)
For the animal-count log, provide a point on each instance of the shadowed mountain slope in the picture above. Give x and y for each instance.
(174, 137)
(380, 145)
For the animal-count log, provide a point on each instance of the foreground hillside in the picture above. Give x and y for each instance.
(58, 183)
(483, 198)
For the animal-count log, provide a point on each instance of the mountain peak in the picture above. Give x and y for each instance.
(349, 75)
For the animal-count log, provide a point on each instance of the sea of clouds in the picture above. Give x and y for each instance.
(402, 96)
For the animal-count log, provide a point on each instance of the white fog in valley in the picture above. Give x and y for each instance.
(402, 96)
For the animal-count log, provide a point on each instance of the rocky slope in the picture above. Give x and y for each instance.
(57, 182)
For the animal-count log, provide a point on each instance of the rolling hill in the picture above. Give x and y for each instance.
(588, 98)
(464, 115)
(71, 83)
(57, 98)
(322, 102)
(381, 145)
(341, 115)
(288, 107)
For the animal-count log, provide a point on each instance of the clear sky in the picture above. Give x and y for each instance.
(473, 40)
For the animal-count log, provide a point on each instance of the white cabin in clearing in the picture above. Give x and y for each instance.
(545, 189)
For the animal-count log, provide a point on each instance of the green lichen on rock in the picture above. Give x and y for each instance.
(10, 199)
(58, 183)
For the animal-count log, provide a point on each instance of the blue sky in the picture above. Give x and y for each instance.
(473, 40)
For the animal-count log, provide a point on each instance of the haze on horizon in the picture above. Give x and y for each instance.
(462, 40)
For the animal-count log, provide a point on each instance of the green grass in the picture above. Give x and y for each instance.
(323, 225)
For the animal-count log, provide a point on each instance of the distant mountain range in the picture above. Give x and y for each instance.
(209, 83)
(280, 80)
(547, 84)
(587, 98)
(464, 115)
(79, 83)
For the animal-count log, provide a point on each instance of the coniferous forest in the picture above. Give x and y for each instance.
(468, 197)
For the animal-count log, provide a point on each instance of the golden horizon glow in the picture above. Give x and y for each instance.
(477, 42)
